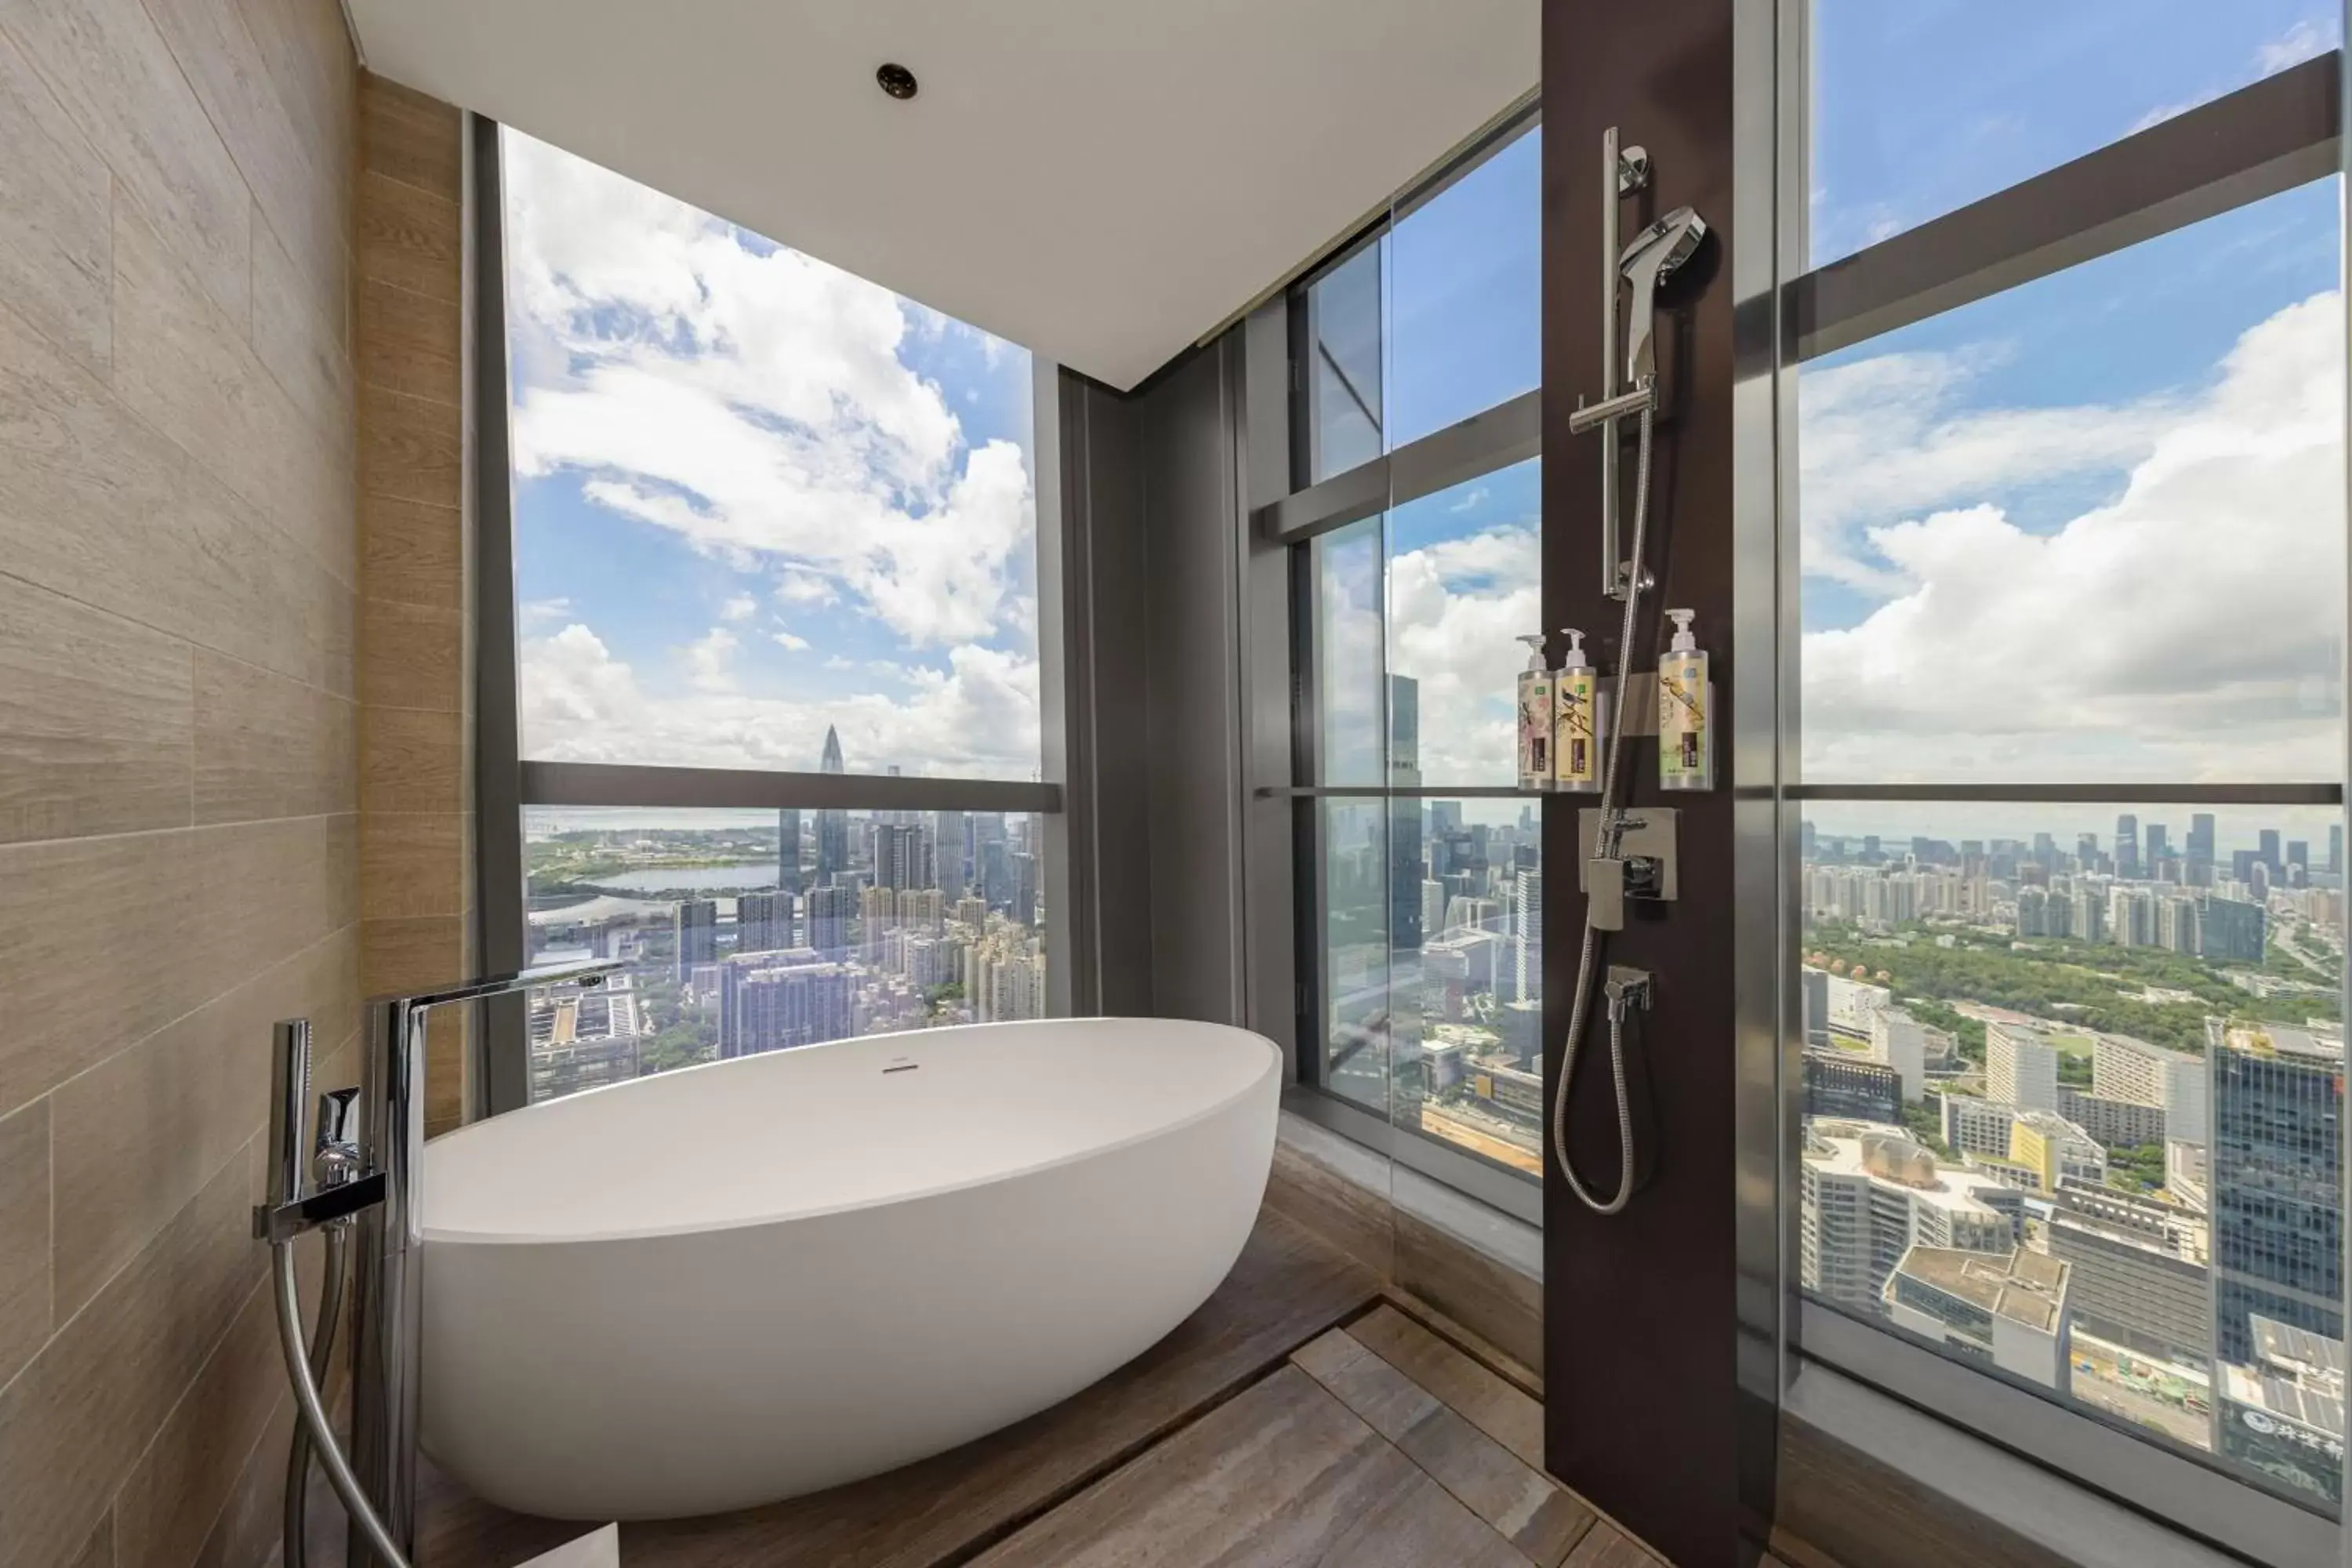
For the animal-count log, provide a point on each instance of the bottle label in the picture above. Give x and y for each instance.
(1534, 734)
(1681, 720)
(1575, 751)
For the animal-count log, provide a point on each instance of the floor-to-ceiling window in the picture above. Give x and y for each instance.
(2069, 503)
(1412, 530)
(776, 640)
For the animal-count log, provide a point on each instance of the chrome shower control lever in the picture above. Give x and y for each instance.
(344, 1186)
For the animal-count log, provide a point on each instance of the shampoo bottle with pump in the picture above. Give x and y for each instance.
(1576, 743)
(1685, 716)
(1535, 717)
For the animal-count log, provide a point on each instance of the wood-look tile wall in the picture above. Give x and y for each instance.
(415, 654)
(179, 720)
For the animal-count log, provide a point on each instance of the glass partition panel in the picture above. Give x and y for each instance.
(752, 931)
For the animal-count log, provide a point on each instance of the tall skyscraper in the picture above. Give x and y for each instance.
(2267, 850)
(2298, 862)
(830, 910)
(763, 923)
(788, 849)
(2128, 846)
(896, 850)
(2087, 852)
(2335, 850)
(950, 854)
(696, 926)
(2197, 869)
(2157, 849)
(831, 826)
(2277, 1204)
(2230, 929)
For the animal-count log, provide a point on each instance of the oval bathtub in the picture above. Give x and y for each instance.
(745, 1281)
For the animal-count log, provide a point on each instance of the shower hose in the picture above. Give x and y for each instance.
(306, 1367)
(1611, 832)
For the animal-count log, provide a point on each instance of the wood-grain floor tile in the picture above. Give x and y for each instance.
(1523, 1505)
(1603, 1547)
(1284, 1474)
(1485, 1400)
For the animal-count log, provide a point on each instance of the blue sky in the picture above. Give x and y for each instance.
(756, 497)
(2090, 527)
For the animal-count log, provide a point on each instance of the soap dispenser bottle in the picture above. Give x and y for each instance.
(1685, 717)
(1536, 717)
(1576, 743)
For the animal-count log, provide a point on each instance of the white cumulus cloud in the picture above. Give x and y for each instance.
(978, 717)
(2189, 630)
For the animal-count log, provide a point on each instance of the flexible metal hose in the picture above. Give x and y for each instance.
(322, 1347)
(1607, 838)
(312, 1412)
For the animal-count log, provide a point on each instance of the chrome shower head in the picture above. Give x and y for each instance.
(1655, 256)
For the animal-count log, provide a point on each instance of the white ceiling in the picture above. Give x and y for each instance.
(1102, 181)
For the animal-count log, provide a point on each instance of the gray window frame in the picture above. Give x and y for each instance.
(505, 783)
(1282, 528)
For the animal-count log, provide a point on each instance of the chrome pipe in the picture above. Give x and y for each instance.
(1610, 410)
(289, 1092)
(1608, 422)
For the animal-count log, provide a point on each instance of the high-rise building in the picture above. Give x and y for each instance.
(2298, 862)
(2126, 846)
(2087, 852)
(1870, 1194)
(793, 998)
(695, 927)
(2006, 1309)
(830, 910)
(2279, 1414)
(582, 1038)
(951, 853)
(2020, 1066)
(1405, 869)
(1842, 1086)
(1023, 870)
(2045, 851)
(2130, 1069)
(2140, 1277)
(2335, 850)
(788, 849)
(895, 850)
(832, 825)
(1526, 937)
(2197, 867)
(2274, 1183)
(2267, 848)
(2232, 930)
(763, 923)
(1900, 1041)
(2157, 849)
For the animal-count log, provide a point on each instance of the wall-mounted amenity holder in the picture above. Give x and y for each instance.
(1625, 853)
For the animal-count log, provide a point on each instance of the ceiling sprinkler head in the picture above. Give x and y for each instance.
(895, 80)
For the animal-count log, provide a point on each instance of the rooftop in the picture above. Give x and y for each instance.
(2028, 1287)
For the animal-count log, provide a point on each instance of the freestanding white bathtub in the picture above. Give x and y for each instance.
(745, 1281)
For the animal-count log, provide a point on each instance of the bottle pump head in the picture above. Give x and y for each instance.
(1684, 641)
(1574, 659)
(1535, 641)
